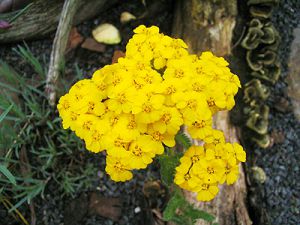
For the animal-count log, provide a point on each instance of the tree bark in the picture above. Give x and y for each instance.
(207, 25)
(42, 18)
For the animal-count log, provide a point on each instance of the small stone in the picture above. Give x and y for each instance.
(107, 33)
(92, 45)
(126, 17)
(137, 210)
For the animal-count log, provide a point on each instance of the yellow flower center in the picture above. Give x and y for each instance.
(114, 120)
(101, 87)
(171, 90)
(118, 166)
(120, 143)
(91, 106)
(205, 187)
(66, 105)
(96, 136)
(192, 104)
(131, 124)
(166, 118)
(210, 170)
(137, 151)
(116, 81)
(121, 98)
(199, 124)
(87, 125)
(195, 158)
(211, 102)
(216, 141)
(147, 108)
(179, 73)
(74, 116)
(198, 87)
(199, 70)
(157, 136)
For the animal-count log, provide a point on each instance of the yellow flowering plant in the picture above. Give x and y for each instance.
(134, 109)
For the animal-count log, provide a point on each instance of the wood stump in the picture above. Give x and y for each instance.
(207, 25)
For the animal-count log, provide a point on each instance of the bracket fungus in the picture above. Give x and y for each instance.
(268, 73)
(260, 57)
(255, 92)
(261, 43)
(262, 8)
(258, 119)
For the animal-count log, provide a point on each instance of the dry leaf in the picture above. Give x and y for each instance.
(92, 45)
(75, 39)
(105, 207)
(117, 54)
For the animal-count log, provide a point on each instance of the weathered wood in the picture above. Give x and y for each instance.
(59, 46)
(42, 18)
(207, 25)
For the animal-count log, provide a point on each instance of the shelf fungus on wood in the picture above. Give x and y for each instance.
(261, 8)
(268, 73)
(259, 33)
(260, 57)
(255, 92)
(253, 38)
(258, 119)
(261, 43)
(258, 174)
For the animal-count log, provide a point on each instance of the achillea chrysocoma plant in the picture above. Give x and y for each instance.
(135, 107)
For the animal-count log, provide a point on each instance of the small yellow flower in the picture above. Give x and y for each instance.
(118, 168)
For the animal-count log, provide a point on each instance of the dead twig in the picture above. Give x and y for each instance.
(59, 46)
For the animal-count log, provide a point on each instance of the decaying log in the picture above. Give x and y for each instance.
(205, 24)
(208, 25)
(42, 18)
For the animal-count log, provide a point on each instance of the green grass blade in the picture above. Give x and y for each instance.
(8, 174)
(4, 114)
(27, 55)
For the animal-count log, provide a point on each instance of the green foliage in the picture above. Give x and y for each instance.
(3, 115)
(32, 128)
(176, 201)
(168, 162)
(8, 174)
(179, 211)
(26, 54)
(182, 139)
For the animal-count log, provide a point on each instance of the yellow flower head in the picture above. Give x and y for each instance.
(133, 108)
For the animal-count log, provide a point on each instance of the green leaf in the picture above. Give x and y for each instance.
(174, 203)
(183, 140)
(195, 214)
(180, 211)
(8, 174)
(168, 164)
(3, 115)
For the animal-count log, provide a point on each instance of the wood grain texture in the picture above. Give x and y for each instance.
(207, 25)
(59, 46)
(42, 18)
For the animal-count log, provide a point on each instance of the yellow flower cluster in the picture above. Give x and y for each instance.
(136, 106)
(202, 168)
